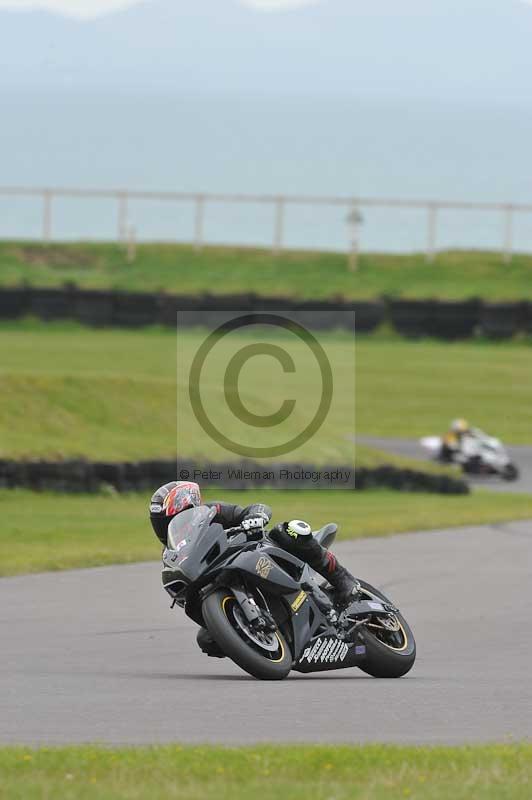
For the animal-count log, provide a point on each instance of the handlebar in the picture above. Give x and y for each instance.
(239, 529)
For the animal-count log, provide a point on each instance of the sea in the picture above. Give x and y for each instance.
(304, 146)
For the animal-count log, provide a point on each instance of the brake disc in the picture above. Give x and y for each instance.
(265, 640)
(391, 623)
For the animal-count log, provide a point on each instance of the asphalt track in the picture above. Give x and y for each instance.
(520, 455)
(97, 655)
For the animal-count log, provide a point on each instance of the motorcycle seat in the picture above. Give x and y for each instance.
(326, 535)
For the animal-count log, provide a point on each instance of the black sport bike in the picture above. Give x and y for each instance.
(268, 611)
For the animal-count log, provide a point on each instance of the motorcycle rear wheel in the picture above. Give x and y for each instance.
(387, 657)
(220, 612)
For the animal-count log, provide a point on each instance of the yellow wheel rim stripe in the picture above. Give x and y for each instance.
(405, 637)
(281, 644)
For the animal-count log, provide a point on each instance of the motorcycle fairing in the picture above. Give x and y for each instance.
(199, 551)
(261, 567)
(194, 542)
(330, 652)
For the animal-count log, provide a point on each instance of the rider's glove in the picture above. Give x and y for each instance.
(254, 523)
(256, 517)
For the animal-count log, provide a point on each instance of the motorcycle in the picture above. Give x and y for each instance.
(479, 454)
(267, 610)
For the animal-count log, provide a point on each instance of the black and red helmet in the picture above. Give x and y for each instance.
(185, 494)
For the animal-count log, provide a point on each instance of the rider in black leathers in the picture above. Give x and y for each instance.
(176, 496)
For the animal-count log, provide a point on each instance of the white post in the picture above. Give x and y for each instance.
(47, 216)
(131, 243)
(122, 216)
(353, 253)
(431, 233)
(354, 221)
(200, 217)
(508, 235)
(279, 226)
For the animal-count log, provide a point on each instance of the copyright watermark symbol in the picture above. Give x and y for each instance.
(232, 395)
(264, 386)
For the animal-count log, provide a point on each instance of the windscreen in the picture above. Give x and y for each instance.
(188, 524)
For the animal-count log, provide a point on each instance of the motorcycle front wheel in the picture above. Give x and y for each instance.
(510, 472)
(264, 655)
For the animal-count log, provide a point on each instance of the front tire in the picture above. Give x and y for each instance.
(387, 657)
(510, 472)
(220, 612)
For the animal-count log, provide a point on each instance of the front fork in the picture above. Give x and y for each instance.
(258, 618)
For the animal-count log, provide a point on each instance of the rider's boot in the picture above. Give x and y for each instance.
(207, 644)
(325, 563)
(343, 583)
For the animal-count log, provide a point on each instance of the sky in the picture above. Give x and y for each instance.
(85, 9)
(76, 8)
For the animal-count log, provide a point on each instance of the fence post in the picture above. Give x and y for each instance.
(198, 227)
(354, 222)
(432, 222)
(279, 226)
(508, 235)
(122, 216)
(131, 235)
(47, 215)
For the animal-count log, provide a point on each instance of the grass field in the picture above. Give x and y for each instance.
(223, 270)
(373, 772)
(43, 532)
(111, 394)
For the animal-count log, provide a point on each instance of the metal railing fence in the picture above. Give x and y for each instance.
(200, 200)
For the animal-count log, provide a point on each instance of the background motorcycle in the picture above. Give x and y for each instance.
(479, 454)
(267, 611)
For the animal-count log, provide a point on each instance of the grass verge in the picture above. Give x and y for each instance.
(45, 532)
(227, 270)
(379, 772)
(111, 394)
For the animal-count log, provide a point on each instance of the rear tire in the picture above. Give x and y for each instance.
(218, 616)
(383, 660)
(473, 466)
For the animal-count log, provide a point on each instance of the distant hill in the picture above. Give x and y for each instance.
(438, 49)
